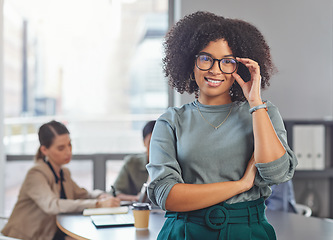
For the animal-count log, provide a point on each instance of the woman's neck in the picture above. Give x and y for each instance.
(56, 167)
(215, 101)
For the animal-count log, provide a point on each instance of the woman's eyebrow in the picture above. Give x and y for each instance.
(205, 53)
(229, 55)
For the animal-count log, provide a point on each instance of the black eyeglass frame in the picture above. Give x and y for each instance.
(215, 59)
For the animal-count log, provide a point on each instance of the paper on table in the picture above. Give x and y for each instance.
(104, 211)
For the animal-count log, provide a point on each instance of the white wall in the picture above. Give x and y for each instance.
(2, 150)
(299, 33)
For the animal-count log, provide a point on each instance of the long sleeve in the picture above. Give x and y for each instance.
(282, 169)
(74, 191)
(164, 171)
(45, 195)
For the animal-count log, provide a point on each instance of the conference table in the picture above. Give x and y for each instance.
(287, 226)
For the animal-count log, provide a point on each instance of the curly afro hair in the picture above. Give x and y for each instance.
(195, 31)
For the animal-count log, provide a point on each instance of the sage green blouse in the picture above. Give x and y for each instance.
(185, 148)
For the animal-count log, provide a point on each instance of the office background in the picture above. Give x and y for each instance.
(300, 36)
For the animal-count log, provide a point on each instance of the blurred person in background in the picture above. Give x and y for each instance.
(282, 198)
(48, 190)
(134, 174)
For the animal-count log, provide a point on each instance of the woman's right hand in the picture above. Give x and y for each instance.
(108, 202)
(248, 178)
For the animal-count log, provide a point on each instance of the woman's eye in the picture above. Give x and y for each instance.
(228, 61)
(205, 58)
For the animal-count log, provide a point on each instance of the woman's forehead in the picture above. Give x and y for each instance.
(220, 47)
(61, 139)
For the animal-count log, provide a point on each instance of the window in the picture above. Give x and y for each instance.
(93, 64)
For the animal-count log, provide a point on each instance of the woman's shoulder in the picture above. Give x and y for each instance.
(66, 172)
(134, 159)
(37, 172)
(175, 115)
(177, 112)
(39, 166)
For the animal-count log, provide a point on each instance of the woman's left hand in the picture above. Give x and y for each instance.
(252, 88)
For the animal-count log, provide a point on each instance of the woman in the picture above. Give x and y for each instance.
(133, 173)
(212, 160)
(48, 190)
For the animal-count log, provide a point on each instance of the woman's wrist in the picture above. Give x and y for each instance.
(255, 103)
(244, 185)
(258, 107)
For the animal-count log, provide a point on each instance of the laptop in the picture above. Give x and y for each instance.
(114, 220)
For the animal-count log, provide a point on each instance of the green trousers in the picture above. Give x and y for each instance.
(239, 221)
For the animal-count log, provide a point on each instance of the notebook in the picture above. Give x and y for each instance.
(114, 220)
(102, 211)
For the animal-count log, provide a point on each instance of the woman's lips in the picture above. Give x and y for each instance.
(213, 82)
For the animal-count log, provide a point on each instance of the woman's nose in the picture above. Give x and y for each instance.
(69, 150)
(215, 68)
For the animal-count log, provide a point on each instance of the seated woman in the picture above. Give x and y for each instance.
(48, 190)
(282, 198)
(133, 173)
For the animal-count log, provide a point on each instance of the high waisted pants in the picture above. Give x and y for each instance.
(239, 221)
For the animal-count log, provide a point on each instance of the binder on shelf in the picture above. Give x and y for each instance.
(309, 146)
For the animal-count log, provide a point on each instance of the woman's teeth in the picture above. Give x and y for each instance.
(214, 81)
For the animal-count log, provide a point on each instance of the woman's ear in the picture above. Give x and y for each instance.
(44, 150)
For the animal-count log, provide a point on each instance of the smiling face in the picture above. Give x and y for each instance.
(214, 85)
(60, 151)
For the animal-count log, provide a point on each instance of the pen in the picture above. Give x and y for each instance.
(113, 191)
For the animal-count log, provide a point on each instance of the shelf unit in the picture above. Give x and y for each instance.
(322, 178)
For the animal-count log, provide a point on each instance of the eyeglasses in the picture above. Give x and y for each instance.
(205, 62)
